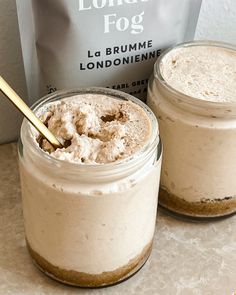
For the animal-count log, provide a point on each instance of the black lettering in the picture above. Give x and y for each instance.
(123, 48)
(108, 51)
(149, 43)
(125, 60)
(90, 66)
(100, 65)
(142, 45)
(108, 63)
(152, 54)
(89, 54)
(81, 67)
(158, 52)
(116, 49)
(133, 47)
(145, 56)
(137, 58)
(117, 62)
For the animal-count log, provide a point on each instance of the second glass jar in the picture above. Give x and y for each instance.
(199, 142)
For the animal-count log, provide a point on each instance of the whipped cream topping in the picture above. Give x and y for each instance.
(95, 128)
(203, 72)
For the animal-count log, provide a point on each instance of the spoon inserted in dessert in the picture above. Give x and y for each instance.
(27, 112)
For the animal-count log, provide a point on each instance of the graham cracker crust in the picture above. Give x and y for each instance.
(204, 208)
(82, 279)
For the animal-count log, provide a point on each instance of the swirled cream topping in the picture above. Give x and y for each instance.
(95, 128)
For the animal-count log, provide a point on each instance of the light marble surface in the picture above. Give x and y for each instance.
(189, 258)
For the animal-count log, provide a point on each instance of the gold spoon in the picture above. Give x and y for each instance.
(27, 112)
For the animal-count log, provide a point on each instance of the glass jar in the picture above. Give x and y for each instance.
(89, 225)
(199, 147)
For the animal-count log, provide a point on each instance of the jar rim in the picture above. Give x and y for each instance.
(27, 129)
(182, 96)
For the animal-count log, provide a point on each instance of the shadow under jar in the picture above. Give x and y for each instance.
(89, 225)
(198, 134)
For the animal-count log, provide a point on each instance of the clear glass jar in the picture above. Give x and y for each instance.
(89, 225)
(199, 144)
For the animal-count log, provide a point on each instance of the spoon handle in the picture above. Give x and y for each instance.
(27, 112)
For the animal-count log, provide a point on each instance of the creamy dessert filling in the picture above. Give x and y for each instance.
(95, 129)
